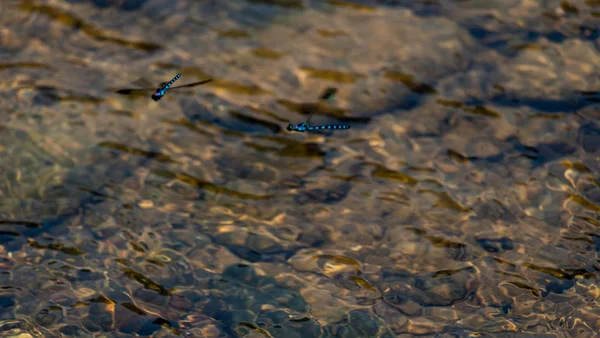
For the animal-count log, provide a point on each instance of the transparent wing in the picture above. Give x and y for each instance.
(328, 94)
(144, 83)
(325, 97)
(136, 91)
(189, 85)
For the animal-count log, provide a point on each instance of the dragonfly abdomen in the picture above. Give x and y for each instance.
(329, 126)
(171, 82)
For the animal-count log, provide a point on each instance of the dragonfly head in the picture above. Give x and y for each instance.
(290, 127)
(156, 96)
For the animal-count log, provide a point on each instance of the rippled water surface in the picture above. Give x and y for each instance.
(464, 201)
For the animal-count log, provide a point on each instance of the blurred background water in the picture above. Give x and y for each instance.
(463, 202)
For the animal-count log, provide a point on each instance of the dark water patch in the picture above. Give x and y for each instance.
(49, 316)
(269, 287)
(496, 245)
(458, 157)
(560, 280)
(445, 201)
(583, 202)
(268, 113)
(208, 186)
(577, 166)
(146, 282)
(547, 152)
(233, 33)
(27, 224)
(86, 274)
(239, 294)
(9, 234)
(333, 193)
(84, 186)
(331, 33)
(429, 8)
(48, 96)
(33, 65)
(68, 250)
(357, 323)
(292, 4)
(137, 152)
(279, 323)
(409, 81)
(456, 251)
(568, 7)
(102, 196)
(125, 5)
(543, 153)
(72, 331)
(252, 327)
(440, 288)
(484, 111)
(388, 174)
(150, 327)
(7, 301)
(521, 285)
(246, 168)
(72, 21)
(351, 5)
(474, 109)
(266, 53)
(539, 154)
(257, 248)
(593, 238)
(235, 123)
(133, 308)
(501, 39)
(450, 103)
(588, 137)
(323, 196)
(273, 127)
(567, 105)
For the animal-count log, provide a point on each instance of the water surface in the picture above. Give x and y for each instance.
(463, 202)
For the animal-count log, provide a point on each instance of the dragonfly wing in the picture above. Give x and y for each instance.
(144, 86)
(328, 94)
(309, 117)
(136, 91)
(191, 84)
(143, 82)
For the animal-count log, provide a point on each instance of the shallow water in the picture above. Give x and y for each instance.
(463, 202)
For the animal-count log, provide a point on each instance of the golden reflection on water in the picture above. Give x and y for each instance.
(463, 201)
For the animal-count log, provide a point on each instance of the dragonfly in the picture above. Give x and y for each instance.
(328, 94)
(162, 89)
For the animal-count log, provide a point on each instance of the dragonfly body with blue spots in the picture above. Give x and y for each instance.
(302, 127)
(328, 94)
(162, 89)
(160, 92)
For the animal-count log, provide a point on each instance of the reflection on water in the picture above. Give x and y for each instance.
(463, 201)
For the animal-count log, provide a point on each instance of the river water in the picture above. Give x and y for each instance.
(463, 202)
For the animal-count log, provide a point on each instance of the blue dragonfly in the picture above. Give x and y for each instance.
(328, 95)
(304, 126)
(162, 89)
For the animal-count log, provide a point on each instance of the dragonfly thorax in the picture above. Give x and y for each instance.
(158, 94)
